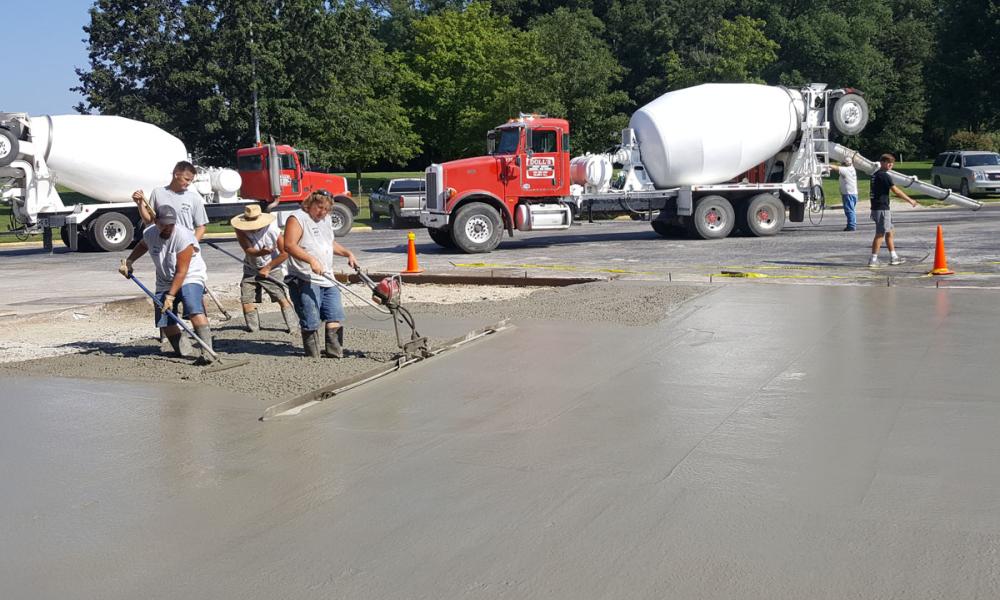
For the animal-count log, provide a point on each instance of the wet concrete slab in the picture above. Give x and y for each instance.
(761, 442)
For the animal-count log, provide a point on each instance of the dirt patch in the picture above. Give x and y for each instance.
(119, 342)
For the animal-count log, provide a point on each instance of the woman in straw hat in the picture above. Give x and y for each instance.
(263, 268)
(311, 248)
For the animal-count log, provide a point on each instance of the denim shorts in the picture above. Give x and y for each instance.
(315, 304)
(190, 297)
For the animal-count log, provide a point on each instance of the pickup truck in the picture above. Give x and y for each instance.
(398, 199)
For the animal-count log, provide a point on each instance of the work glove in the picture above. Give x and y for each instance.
(125, 268)
(168, 302)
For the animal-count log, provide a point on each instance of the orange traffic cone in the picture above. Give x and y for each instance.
(940, 262)
(411, 255)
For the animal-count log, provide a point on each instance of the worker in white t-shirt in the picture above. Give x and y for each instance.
(180, 277)
(848, 193)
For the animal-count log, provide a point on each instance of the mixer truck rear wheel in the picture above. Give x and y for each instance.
(713, 218)
(9, 147)
(850, 114)
(765, 215)
(667, 229)
(82, 239)
(441, 237)
(112, 232)
(477, 228)
(342, 219)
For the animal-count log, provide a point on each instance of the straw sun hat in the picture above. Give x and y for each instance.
(252, 219)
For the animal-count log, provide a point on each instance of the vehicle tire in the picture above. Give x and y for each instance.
(765, 215)
(342, 219)
(375, 217)
(9, 147)
(477, 228)
(442, 237)
(713, 218)
(964, 189)
(112, 232)
(850, 114)
(82, 239)
(937, 181)
(667, 229)
(394, 219)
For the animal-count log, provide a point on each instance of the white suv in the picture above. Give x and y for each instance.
(968, 171)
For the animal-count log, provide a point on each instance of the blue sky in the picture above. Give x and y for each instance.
(47, 36)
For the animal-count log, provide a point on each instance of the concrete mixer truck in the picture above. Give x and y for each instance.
(705, 160)
(107, 158)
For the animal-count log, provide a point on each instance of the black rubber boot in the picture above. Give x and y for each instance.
(335, 342)
(310, 343)
(205, 333)
(253, 320)
(291, 319)
(175, 343)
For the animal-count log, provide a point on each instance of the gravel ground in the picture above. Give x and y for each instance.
(118, 341)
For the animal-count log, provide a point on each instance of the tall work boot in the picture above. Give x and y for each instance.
(253, 320)
(335, 342)
(310, 342)
(175, 343)
(205, 333)
(291, 318)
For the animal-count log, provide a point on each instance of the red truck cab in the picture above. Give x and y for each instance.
(288, 181)
(518, 185)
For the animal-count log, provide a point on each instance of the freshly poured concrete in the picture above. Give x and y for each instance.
(762, 442)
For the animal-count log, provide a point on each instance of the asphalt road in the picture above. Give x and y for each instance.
(36, 281)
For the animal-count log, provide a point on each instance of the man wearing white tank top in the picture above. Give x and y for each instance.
(311, 246)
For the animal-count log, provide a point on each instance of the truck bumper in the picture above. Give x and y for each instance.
(985, 187)
(434, 220)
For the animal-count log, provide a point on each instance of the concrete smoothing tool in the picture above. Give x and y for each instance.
(219, 364)
(387, 294)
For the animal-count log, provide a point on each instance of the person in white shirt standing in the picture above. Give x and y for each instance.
(180, 276)
(263, 244)
(848, 193)
(188, 204)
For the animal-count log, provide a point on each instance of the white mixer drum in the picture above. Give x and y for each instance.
(711, 133)
(226, 181)
(590, 169)
(106, 158)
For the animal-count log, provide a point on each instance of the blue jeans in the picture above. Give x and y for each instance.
(190, 297)
(850, 201)
(315, 304)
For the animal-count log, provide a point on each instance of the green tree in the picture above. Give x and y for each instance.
(737, 52)
(583, 74)
(191, 68)
(471, 71)
(965, 76)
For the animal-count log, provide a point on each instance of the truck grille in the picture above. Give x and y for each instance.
(433, 195)
(994, 176)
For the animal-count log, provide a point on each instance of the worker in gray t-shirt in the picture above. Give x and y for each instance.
(186, 203)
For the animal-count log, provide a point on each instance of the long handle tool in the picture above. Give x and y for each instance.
(219, 365)
(225, 314)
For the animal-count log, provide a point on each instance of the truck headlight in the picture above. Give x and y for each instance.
(980, 175)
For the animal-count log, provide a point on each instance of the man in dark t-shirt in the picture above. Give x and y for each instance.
(882, 185)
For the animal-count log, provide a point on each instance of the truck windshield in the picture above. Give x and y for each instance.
(982, 160)
(509, 139)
